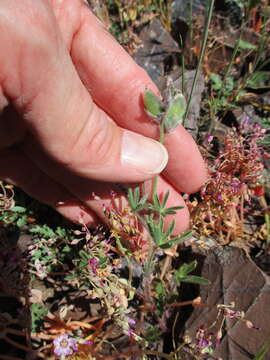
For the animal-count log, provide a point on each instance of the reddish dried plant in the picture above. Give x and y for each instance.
(235, 177)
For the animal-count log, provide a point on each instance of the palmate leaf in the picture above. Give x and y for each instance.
(175, 112)
(160, 206)
(156, 230)
(181, 275)
(136, 202)
(153, 106)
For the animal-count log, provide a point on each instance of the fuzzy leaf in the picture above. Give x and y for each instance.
(175, 112)
(153, 106)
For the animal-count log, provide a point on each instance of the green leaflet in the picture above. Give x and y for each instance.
(153, 106)
(175, 112)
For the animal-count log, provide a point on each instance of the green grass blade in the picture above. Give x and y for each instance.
(202, 52)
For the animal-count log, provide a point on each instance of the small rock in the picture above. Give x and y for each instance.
(158, 49)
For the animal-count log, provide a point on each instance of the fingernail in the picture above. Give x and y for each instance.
(142, 153)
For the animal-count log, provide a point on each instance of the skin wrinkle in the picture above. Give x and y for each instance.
(104, 150)
(75, 146)
(91, 136)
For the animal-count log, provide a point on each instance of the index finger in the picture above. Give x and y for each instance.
(117, 83)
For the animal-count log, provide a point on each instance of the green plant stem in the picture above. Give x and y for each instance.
(147, 273)
(161, 132)
(151, 254)
(202, 52)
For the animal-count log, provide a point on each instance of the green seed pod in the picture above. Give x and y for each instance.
(175, 112)
(152, 105)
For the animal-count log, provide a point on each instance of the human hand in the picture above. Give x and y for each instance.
(68, 92)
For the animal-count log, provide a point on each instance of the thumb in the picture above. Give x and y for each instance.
(64, 122)
(91, 145)
(83, 139)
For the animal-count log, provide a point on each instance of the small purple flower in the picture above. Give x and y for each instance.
(93, 264)
(131, 321)
(64, 345)
(202, 343)
(219, 197)
(209, 138)
(245, 122)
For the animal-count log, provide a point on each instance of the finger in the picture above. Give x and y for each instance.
(116, 83)
(97, 196)
(45, 87)
(18, 169)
